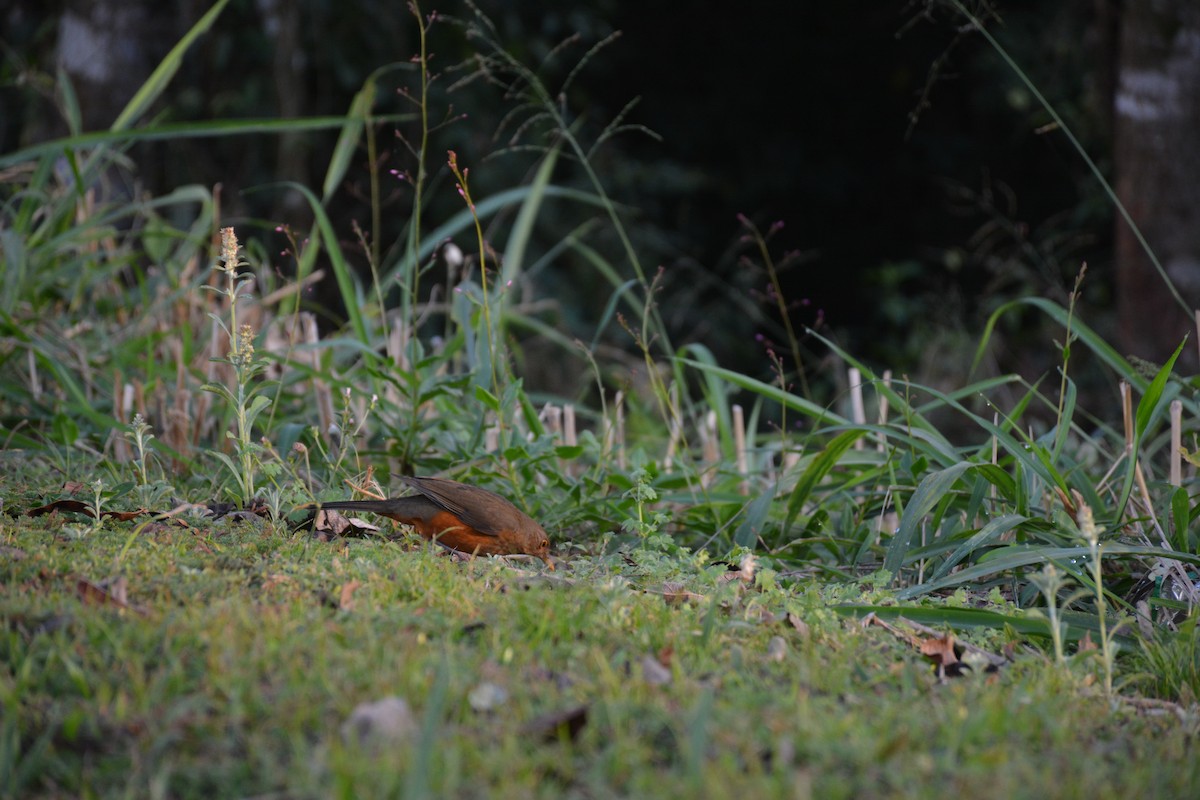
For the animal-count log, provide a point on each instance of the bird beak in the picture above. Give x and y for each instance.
(549, 563)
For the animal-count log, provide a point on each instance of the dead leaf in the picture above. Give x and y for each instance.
(939, 650)
(337, 524)
(1086, 643)
(79, 507)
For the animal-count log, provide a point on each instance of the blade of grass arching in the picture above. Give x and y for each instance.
(914, 416)
(899, 402)
(623, 292)
(1017, 450)
(817, 469)
(78, 400)
(714, 395)
(932, 489)
(347, 142)
(157, 83)
(69, 102)
(791, 401)
(1063, 429)
(484, 209)
(1078, 623)
(1147, 408)
(168, 131)
(33, 203)
(756, 511)
(545, 332)
(1048, 468)
(522, 227)
(1080, 332)
(1150, 403)
(1021, 555)
(552, 253)
(16, 264)
(993, 530)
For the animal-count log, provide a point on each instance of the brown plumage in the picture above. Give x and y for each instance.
(461, 517)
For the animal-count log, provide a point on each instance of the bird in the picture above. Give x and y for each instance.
(460, 516)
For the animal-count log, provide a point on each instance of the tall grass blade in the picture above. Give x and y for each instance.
(157, 83)
(929, 493)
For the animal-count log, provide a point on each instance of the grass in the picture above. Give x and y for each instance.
(729, 614)
(241, 650)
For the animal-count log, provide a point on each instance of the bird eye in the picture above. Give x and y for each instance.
(545, 542)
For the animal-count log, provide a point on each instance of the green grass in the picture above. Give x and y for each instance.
(243, 645)
(235, 665)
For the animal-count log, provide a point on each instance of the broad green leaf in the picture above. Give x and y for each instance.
(1028, 624)
(820, 466)
(929, 493)
(1020, 555)
(748, 532)
(995, 528)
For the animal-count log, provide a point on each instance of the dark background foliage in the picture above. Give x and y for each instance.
(917, 181)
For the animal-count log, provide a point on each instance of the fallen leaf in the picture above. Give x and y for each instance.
(939, 650)
(335, 523)
(79, 507)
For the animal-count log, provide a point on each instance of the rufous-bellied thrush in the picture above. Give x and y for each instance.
(460, 516)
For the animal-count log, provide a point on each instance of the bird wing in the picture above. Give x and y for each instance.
(465, 502)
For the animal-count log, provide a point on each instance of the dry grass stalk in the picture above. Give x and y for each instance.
(883, 409)
(739, 446)
(858, 413)
(1176, 443)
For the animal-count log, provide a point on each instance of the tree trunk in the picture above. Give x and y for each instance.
(1157, 164)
